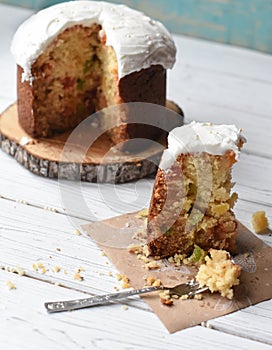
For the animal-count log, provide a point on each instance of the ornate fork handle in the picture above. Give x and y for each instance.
(69, 305)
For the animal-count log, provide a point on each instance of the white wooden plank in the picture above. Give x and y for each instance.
(225, 59)
(257, 319)
(234, 93)
(252, 175)
(22, 313)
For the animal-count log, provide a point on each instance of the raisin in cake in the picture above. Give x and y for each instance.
(192, 200)
(78, 57)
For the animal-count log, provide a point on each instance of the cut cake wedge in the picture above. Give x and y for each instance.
(192, 199)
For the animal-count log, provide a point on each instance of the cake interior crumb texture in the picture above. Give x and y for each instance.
(192, 204)
(219, 273)
(259, 222)
(77, 75)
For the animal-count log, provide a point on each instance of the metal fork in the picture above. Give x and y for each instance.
(190, 288)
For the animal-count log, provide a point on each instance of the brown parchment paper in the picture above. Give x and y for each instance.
(114, 235)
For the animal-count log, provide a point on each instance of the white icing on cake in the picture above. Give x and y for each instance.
(201, 137)
(138, 41)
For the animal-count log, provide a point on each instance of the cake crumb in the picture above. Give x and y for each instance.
(16, 269)
(149, 280)
(80, 269)
(39, 267)
(57, 269)
(43, 270)
(19, 271)
(126, 283)
(219, 273)
(167, 302)
(175, 296)
(145, 250)
(143, 258)
(78, 277)
(10, 285)
(135, 249)
(198, 296)
(178, 259)
(165, 298)
(152, 265)
(157, 283)
(78, 233)
(125, 307)
(152, 281)
(259, 222)
(124, 279)
(103, 253)
(118, 276)
(184, 297)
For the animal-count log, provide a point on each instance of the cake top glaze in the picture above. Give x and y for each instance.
(201, 137)
(139, 41)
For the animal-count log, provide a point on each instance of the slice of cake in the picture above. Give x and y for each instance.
(219, 273)
(78, 57)
(192, 200)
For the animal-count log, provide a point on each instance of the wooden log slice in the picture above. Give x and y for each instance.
(44, 156)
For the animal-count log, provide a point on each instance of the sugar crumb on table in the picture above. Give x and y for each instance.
(18, 270)
(10, 285)
(78, 233)
(78, 277)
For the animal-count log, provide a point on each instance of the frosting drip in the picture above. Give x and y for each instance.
(201, 137)
(138, 41)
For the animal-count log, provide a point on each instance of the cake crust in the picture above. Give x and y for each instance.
(25, 104)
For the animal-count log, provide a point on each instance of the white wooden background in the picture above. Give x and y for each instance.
(212, 82)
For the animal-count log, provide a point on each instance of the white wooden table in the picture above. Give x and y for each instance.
(212, 82)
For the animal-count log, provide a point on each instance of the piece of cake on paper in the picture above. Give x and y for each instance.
(78, 57)
(192, 200)
(219, 273)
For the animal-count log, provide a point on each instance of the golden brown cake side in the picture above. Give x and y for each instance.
(192, 204)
